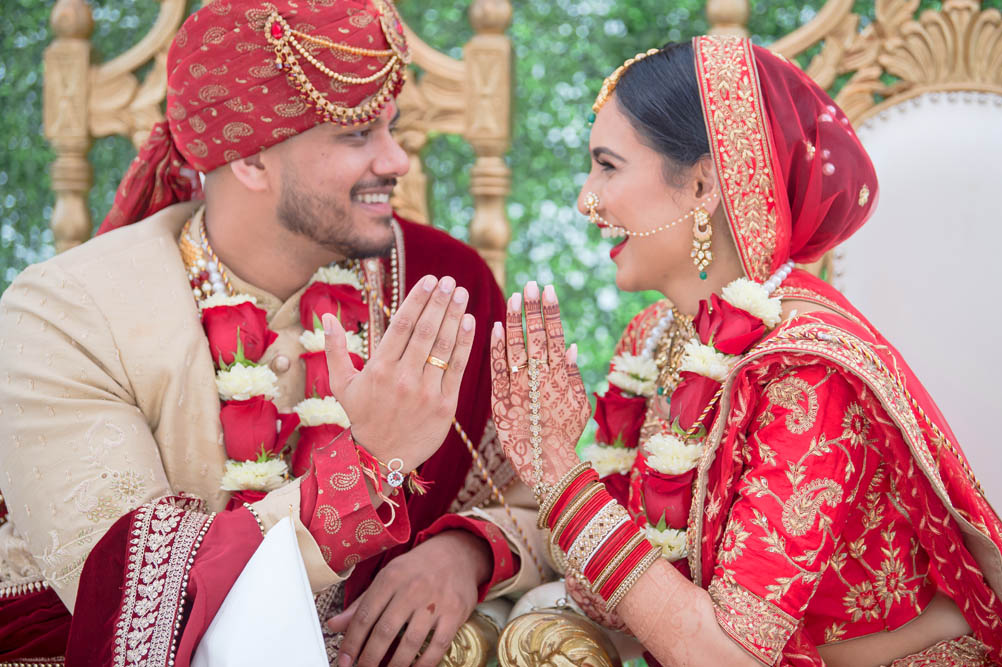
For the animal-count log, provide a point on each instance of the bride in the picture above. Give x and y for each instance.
(771, 483)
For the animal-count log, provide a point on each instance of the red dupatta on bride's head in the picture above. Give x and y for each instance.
(795, 182)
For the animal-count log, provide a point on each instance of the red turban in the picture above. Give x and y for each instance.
(243, 75)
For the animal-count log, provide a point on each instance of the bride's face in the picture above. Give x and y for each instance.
(629, 178)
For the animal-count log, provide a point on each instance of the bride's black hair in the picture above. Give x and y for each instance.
(660, 96)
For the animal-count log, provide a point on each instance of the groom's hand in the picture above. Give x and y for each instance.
(401, 405)
(427, 593)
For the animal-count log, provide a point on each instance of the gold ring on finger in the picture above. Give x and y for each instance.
(515, 368)
(437, 363)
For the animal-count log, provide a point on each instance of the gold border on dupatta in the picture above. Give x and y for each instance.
(739, 141)
(842, 348)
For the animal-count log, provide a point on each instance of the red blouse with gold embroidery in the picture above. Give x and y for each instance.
(817, 534)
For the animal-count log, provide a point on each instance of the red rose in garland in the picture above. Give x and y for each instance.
(343, 300)
(667, 497)
(619, 418)
(690, 398)
(253, 426)
(730, 330)
(221, 324)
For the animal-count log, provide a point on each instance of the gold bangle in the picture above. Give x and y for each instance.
(565, 518)
(616, 561)
(557, 490)
(632, 578)
(257, 517)
(606, 521)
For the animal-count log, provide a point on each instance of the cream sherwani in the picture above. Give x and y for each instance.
(108, 400)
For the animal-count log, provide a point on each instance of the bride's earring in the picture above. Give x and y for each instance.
(702, 233)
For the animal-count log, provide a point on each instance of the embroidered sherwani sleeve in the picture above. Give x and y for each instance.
(802, 469)
(76, 452)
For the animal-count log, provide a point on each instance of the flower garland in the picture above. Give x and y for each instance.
(663, 469)
(255, 433)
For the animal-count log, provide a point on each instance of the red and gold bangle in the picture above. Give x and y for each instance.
(607, 550)
(638, 549)
(569, 486)
(632, 577)
(596, 533)
(582, 517)
(572, 509)
(610, 566)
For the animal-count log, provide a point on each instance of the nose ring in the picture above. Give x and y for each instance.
(591, 203)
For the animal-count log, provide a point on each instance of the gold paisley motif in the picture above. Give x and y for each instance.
(327, 553)
(802, 508)
(367, 527)
(197, 148)
(197, 124)
(198, 70)
(332, 519)
(257, 17)
(235, 130)
(230, 155)
(283, 132)
(212, 92)
(294, 107)
(181, 37)
(265, 71)
(177, 112)
(342, 481)
(222, 70)
(220, 8)
(351, 560)
(214, 35)
(238, 105)
(247, 47)
(359, 17)
(787, 394)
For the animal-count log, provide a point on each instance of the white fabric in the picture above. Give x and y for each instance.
(269, 616)
(924, 269)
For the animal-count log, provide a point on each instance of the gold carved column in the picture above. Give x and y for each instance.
(66, 90)
(728, 17)
(488, 128)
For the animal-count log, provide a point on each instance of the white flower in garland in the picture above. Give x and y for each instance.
(670, 456)
(313, 341)
(753, 298)
(609, 460)
(671, 541)
(706, 361)
(317, 411)
(336, 275)
(242, 382)
(637, 375)
(220, 299)
(254, 475)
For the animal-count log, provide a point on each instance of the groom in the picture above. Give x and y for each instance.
(163, 382)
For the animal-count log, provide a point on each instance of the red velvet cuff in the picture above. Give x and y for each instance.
(505, 563)
(336, 508)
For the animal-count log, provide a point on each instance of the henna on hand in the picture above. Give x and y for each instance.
(563, 402)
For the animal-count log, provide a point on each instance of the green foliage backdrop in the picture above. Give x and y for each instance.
(562, 48)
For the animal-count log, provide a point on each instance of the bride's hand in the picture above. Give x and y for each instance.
(563, 403)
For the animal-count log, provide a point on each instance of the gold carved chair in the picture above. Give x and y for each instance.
(471, 97)
(924, 93)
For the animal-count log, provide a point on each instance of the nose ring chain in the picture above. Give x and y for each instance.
(610, 230)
